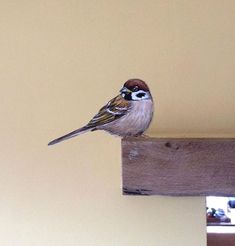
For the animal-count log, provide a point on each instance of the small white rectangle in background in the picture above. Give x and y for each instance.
(220, 229)
(221, 203)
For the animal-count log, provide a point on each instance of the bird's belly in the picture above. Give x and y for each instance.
(135, 122)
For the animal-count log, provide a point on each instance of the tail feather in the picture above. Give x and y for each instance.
(70, 135)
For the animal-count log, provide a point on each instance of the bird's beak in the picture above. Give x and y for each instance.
(125, 90)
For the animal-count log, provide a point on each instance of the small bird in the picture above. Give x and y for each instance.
(127, 115)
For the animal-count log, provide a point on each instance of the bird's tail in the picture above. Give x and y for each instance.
(71, 135)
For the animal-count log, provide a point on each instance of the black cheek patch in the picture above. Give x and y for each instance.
(140, 95)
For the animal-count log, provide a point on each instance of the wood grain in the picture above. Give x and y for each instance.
(178, 167)
(220, 239)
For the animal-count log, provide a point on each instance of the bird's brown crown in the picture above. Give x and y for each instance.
(136, 83)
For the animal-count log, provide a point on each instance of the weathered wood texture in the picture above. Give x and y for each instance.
(178, 167)
(220, 239)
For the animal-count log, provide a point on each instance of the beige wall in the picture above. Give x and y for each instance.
(59, 62)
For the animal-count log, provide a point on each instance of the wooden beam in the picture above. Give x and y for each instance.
(178, 167)
(220, 239)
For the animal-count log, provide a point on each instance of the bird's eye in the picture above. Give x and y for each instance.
(136, 88)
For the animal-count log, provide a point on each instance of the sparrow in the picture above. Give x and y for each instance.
(127, 115)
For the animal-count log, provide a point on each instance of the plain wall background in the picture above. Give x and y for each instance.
(60, 62)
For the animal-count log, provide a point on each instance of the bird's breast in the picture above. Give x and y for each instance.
(135, 122)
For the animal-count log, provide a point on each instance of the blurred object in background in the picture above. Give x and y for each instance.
(231, 202)
(217, 216)
(219, 210)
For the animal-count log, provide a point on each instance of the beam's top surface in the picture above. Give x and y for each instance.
(162, 139)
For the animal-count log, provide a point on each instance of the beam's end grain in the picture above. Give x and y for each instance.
(178, 167)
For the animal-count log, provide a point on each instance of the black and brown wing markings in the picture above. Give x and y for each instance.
(115, 108)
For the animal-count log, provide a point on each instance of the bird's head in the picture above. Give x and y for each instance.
(135, 90)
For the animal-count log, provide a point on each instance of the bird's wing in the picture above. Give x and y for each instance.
(114, 109)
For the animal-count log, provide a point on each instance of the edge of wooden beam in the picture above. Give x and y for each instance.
(178, 166)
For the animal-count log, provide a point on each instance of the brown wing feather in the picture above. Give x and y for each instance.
(115, 108)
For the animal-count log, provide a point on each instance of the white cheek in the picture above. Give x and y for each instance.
(134, 97)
